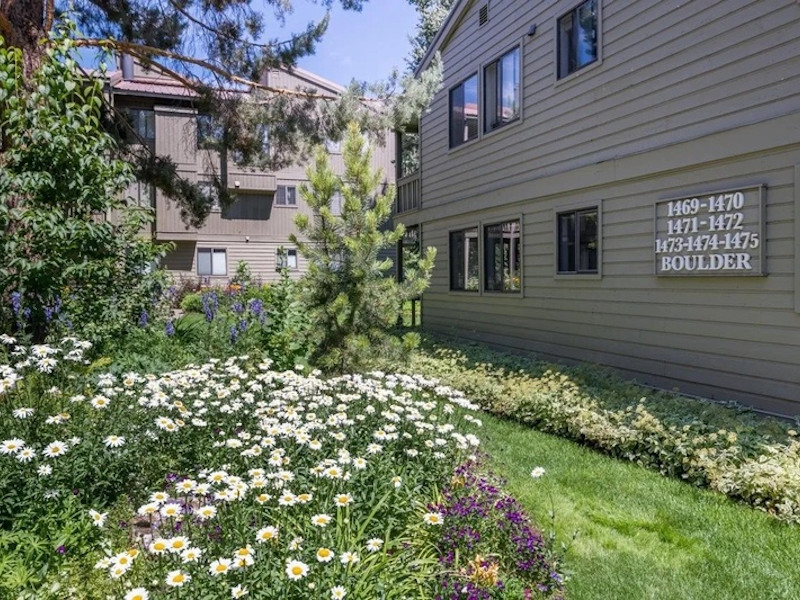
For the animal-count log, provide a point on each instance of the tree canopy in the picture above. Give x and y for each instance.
(71, 251)
(219, 49)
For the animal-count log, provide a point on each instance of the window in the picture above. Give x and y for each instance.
(143, 124)
(464, 112)
(211, 194)
(286, 259)
(464, 260)
(211, 261)
(501, 90)
(208, 133)
(333, 146)
(577, 38)
(287, 195)
(577, 241)
(502, 257)
(336, 204)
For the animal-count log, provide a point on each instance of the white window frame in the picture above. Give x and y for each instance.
(282, 196)
(212, 253)
(286, 258)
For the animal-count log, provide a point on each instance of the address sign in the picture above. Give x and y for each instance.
(719, 233)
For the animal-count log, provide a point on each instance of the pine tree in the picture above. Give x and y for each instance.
(352, 302)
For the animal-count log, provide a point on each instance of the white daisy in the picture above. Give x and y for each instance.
(177, 578)
(137, 594)
(98, 518)
(433, 518)
(296, 570)
(338, 592)
(220, 566)
(114, 441)
(55, 449)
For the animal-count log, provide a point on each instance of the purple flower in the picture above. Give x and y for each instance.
(16, 302)
(143, 319)
(61, 549)
(169, 328)
(210, 305)
(256, 306)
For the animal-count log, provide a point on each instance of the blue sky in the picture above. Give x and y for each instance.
(363, 46)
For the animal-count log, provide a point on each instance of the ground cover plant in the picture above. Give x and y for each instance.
(229, 477)
(728, 449)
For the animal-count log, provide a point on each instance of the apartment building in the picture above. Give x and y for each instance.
(257, 226)
(618, 182)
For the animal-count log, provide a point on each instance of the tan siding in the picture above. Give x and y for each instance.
(727, 337)
(259, 256)
(176, 134)
(669, 73)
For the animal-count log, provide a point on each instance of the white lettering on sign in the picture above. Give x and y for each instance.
(719, 233)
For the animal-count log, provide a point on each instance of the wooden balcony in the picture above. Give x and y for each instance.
(408, 193)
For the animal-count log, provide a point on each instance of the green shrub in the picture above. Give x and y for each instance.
(192, 302)
(61, 267)
(729, 449)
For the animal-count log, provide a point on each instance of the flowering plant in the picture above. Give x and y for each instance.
(487, 545)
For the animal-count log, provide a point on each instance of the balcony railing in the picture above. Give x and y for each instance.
(408, 196)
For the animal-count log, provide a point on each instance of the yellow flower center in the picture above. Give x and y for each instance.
(221, 568)
(297, 570)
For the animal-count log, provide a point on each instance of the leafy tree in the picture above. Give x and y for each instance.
(237, 41)
(71, 247)
(430, 17)
(352, 304)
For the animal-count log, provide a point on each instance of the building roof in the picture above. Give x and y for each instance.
(148, 86)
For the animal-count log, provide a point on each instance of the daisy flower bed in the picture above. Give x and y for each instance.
(230, 479)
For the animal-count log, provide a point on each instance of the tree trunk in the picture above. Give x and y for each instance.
(23, 24)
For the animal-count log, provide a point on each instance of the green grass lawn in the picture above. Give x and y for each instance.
(641, 535)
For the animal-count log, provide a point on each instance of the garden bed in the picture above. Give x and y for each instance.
(228, 477)
(729, 449)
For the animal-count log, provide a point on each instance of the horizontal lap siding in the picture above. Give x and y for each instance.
(669, 73)
(260, 257)
(725, 337)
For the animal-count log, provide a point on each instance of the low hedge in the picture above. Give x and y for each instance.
(728, 448)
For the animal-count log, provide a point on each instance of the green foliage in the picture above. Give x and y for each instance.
(746, 456)
(286, 332)
(243, 275)
(71, 250)
(192, 302)
(641, 535)
(431, 14)
(352, 303)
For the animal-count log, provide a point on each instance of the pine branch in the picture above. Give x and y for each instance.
(219, 33)
(143, 51)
